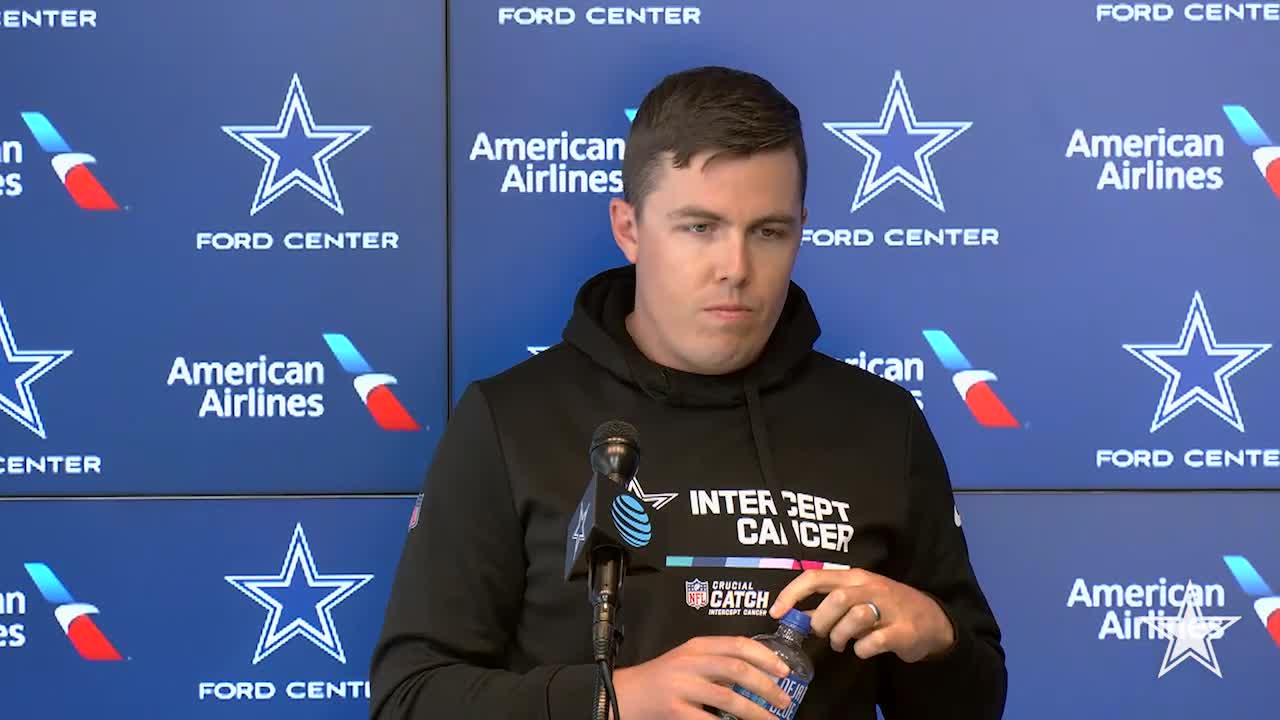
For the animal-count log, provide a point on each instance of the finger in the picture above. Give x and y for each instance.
(730, 671)
(876, 642)
(808, 583)
(741, 648)
(730, 701)
(833, 608)
(855, 624)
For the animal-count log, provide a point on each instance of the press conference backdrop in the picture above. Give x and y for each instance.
(252, 253)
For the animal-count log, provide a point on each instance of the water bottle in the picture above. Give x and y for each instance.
(786, 643)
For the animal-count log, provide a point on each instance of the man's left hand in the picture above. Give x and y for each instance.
(911, 624)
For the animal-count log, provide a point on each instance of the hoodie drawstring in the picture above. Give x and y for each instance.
(764, 456)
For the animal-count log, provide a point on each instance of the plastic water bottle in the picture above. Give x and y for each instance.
(787, 644)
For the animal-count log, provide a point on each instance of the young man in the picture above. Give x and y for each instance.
(753, 446)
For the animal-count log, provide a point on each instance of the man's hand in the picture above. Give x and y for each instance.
(911, 624)
(676, 685)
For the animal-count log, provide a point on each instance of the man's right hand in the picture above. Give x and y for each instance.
(676, 685)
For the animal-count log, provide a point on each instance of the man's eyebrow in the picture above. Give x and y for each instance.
(693, 211)
(780, 218)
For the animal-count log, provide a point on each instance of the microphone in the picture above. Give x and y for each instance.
(611, 535)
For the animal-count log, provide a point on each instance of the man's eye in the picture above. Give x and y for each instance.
(698, 227)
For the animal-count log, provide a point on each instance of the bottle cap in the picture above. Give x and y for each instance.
(796, 619)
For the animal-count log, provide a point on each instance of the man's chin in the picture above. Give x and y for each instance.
(725, 362)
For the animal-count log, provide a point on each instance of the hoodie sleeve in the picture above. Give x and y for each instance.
(457, 594)
(969, 681)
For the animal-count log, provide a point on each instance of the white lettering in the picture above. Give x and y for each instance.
(295, 690)
(236, 691)
(17, 19)
(557, 149)
(1134, 458)
(805, 506)
(940, 237)
(826, 536)
(1136, 12)
(1217, 458)
(261, 241)
(1226, 12)
(897, 369)
(342, 241)
(837, 237)
(1152, 595)
(254, 372)
(535, 16)
(13, 636)
(13, 603)
(560, 16)
(51, 465)
(902, 237)
(256, 402)
(10, 152)
(644, 16)
(1130, 627)
(234, 241)
(1198, 458)
(765, 531)
(1160, 144)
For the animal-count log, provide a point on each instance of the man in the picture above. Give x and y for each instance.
(753, 446)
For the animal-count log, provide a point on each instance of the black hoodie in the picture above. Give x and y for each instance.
(799, 458)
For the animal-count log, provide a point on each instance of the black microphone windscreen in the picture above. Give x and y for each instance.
(615, 429)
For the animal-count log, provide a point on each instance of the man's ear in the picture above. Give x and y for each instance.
(623, 220)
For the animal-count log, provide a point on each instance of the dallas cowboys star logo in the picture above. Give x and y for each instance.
(1197, 369)
(897, 148)
(23, 367)
(296, 151)
(657, 500)
(292, 595)
(1191, 634)
(580, 532)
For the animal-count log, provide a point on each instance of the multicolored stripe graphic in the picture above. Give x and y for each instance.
(74, 618)
(754, 563)
(373, 388)
(1266, 155)
(72, 167)
(1267, 604)
(973, 385)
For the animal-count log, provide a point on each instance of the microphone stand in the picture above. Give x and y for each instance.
(608, 570)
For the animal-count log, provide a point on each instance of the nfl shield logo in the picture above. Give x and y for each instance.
(695, 593)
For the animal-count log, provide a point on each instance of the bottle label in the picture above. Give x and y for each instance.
(795, 689)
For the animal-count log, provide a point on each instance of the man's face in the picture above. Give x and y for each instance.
(713, 245)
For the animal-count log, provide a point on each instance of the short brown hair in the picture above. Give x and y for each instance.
(710, 108)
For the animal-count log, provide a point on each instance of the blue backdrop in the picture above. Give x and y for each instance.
(253, 252)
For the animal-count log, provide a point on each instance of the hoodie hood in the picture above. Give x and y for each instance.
(597, 327)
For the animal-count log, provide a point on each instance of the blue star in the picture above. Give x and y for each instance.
(300, 601)
(37, 362)
(1203, 370)
(899, 142)
(296, 150)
